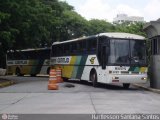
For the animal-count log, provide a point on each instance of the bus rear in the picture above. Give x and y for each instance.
(28, 62)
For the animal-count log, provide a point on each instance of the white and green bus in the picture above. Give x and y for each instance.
(28, 61)
(104, 58)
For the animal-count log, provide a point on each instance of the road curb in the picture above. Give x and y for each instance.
(6, 83)
(148, 88)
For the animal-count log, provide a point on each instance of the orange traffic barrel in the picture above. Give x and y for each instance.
(59, 74)
(52, 85)
(53, 77)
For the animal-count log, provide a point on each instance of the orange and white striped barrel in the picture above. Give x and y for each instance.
(52, 85)
(53, 76)
(59, 74)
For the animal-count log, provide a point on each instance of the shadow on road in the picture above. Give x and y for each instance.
(100, 85)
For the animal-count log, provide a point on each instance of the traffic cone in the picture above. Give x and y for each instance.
(59, 75)
(52, 85)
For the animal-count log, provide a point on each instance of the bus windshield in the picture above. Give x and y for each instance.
(127, 52)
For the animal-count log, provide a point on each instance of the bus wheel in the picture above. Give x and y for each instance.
(126, 85)
(65, 79)
(33, 75)
(93, 78)
(18, 72)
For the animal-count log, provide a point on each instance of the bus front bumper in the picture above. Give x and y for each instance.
(128, 78)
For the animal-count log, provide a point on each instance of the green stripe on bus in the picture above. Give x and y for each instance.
(81, 68)
(131, 69)
(75, 69)
(33, 69)
(38, 65)
(134, 69)
(137, 69)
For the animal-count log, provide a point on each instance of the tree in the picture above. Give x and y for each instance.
(29, 23)
(39, 23)
(73, 26)
(99, 26)
(134, 28)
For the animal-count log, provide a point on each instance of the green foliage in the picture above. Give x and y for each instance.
(134, 28)
(100, 26)
(38, 23)
(73, 26)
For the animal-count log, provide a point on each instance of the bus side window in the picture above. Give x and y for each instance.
(58, 50)
(74, 48)
(45, 53)
(71, 48)
(26, 55)
(81, 47)
(9, 55)
(84, 47)
(91, 44)
(54, 50)
(66, 49)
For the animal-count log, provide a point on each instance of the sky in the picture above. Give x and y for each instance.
(108, 9)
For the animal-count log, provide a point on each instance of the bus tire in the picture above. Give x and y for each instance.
(93, 77)
(33, 75)
(65, 79)
(18, 72)
(126, 85)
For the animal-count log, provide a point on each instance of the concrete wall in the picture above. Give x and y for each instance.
(153, 32)
(155, 71)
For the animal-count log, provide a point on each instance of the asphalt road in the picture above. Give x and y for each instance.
(31, 96)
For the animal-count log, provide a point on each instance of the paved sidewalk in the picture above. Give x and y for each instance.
(146, 86)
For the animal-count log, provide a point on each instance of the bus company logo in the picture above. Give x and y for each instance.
(92, 60)
(53, 60)
(10, 62)
(4, 116)
(63, 60)
(19, 62)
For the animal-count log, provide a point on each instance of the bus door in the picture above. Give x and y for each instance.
(103, 53)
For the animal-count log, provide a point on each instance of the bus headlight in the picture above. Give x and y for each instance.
(144, 78)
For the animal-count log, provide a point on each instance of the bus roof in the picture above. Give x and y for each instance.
(30, 49)
(109, 34)
(122, 35)
(81, 38)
